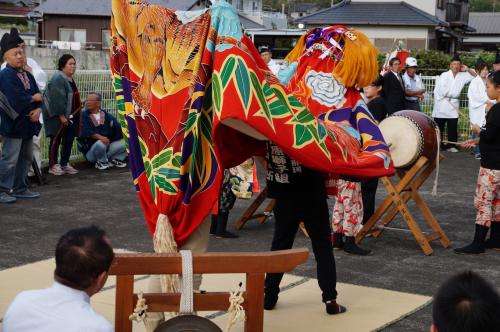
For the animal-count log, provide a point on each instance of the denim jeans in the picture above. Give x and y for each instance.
(15, 161)
(103, 153)
(476, 148)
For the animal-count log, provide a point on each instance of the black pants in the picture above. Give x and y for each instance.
(66, 136)
(452, 130)
(314, 214)
(368, 193)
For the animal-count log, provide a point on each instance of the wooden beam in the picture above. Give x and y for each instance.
(124, 302)
(169, 302)
(237, 262)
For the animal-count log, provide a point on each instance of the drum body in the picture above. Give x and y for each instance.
(410, 135)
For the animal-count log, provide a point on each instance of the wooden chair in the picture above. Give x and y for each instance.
(249, 213)
(397, 197)
(255, 265)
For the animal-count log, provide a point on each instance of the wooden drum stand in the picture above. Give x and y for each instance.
(396, 202)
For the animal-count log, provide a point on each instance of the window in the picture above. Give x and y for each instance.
(240, 5)
(73, 35)
(412, 44)
(106, 39)
(440, 4)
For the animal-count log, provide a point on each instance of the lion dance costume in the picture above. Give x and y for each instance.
(185, 80)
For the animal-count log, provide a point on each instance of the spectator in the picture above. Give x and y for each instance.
(487, 199)
(101, 140)
(24, 100)
(447, 91)
(479, 102)
(41, 78)
(414, 87)
(393, 92)
(62, 115)
(83, 259)
(267, 54)
(466, 303)
(496, 64)
(376, 106)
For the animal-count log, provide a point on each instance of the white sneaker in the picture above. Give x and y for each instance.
(454, 150)
(118, 163)
(101, 166)
(68, 169)
(56, 170)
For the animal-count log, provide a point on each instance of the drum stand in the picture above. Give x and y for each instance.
(249, 213)
(397, 197)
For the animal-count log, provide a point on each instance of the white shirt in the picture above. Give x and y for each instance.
(412, 84)
(447, 94)
(40, 75)
(55, 309)
(477, 101)
(274, 67)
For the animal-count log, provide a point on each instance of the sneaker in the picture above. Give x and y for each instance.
(477, 156)
(118, 163)
(26, 194)
(454, 150)
(101, 166)
(68, 169)
(333, 308)
(56, 170)
(6, 198)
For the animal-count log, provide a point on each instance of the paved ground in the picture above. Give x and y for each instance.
(31, 228)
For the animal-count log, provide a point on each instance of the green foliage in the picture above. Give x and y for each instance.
(483, 6)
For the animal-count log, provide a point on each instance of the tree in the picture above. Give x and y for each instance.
(484, 5)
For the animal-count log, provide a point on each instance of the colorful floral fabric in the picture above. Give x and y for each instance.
(487, 199)
(347, 212)
(183, 82)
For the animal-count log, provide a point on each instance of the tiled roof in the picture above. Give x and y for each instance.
(372, 13)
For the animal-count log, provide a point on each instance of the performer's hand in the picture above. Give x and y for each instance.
(464, 68)
(475, 129)
(37, 97)
(63, 120)
(467, 145)
(35, 115)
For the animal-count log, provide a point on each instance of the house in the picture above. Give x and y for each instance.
(410, 24)
(487, 34)
(253, 11)
(302, 9)
(86, 22)
(13, 13)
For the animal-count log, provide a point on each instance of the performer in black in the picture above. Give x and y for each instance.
(300, 196)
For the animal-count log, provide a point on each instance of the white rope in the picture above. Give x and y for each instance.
(186, 305)
(436, 177)
(141, 310)
(235, 311)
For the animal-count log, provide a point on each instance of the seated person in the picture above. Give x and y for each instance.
(466, 303)
(101, 140)
(83, 258)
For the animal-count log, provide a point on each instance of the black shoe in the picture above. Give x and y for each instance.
(478, 244)
(494, 241)
(226, 235)
(338, 242)
(351, 247)
(333, 308)
(270, 301)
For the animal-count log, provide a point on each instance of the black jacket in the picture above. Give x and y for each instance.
(393, 93)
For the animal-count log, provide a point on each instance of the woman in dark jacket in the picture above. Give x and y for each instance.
(62, 115)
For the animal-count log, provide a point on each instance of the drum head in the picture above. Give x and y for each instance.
(188, 323)
(403, 138)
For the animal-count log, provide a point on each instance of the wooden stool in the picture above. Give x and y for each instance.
(249, 213)
(397, 197)
(255, 265)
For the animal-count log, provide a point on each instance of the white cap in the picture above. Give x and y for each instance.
(411, 62)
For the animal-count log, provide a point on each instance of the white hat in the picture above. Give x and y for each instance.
(411, 62)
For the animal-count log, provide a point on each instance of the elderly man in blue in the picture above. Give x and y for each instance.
(101, 140)
(18, 124)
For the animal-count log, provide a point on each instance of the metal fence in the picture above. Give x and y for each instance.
(100, 81)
